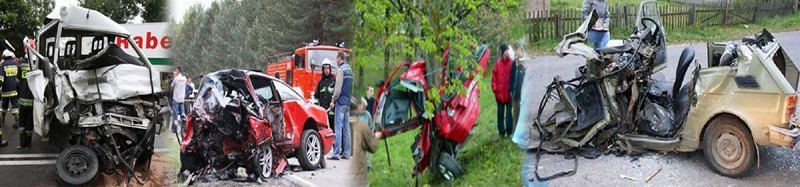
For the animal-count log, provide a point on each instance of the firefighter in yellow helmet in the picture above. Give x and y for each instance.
(9, 94)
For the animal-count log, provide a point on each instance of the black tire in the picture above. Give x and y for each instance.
(448, 167)
(77, 165)
(728, 147)
(323, 164)
(310, 153)
(263, 163)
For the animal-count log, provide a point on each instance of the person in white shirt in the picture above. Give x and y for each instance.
(178, 97)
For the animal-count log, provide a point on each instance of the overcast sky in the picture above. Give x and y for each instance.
(179, 7)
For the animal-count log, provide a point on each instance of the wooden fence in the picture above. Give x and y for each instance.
(553, 24)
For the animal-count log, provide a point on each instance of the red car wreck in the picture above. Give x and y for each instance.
(401, 108)
(244, 124)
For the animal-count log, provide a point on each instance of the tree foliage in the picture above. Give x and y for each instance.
(154, 10)
(123, 11)
(120, 11)
(20, 18)
(244, 33)
(420, 30)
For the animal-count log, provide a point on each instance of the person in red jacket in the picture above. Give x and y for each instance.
(501, 82)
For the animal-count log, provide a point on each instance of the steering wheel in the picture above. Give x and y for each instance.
(653, 31)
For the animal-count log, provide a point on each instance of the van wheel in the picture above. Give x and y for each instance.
(728, 147)
(77, 165)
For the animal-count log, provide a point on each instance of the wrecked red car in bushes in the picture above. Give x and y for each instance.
(244, 124)
(401, 108)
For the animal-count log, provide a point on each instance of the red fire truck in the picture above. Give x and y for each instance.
(302, 68)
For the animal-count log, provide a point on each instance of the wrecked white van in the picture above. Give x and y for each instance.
(91, 98)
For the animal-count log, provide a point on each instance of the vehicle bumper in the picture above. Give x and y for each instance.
(327, 136)
(784, 137)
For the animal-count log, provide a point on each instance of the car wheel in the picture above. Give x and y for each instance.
(77, 165)
(728, 147)
(449, 167)
(310, 154)
(323, 164)
(264, 162)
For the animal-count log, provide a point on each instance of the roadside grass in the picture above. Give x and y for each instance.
(488, 161)
(695, 34)
(173, 157)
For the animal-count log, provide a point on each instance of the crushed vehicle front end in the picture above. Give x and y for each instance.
(244, 125)
(224, 132)
(400, 108)
(92, 98)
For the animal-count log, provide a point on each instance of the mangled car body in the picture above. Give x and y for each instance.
(745, 97)
(248, 120)
(401, 108)
(91, 98)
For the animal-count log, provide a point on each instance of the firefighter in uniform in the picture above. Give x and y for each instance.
(25, 106)
(9, 95)
(9, 67)
(324, 90)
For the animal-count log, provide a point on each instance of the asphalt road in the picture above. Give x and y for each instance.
(335, 174)
(778, 166)
(36, 166)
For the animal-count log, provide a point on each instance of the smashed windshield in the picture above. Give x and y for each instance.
(648, 9)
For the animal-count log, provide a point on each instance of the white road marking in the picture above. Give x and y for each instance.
(42, 155)
(27, 162)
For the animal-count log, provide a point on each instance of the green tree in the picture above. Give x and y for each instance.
(41, 8)
(422, 29)
(244, 33)
(120, 11)
(184, 46)
(17, 20)
(154, 10)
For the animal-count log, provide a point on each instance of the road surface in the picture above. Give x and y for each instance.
(779, 167)
(36, 166)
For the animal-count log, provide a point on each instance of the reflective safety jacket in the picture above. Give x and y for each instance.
(9, 78)
(25, 95)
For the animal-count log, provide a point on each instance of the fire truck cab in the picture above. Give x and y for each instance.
(302, 69)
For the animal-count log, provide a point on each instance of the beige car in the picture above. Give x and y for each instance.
(746, 96)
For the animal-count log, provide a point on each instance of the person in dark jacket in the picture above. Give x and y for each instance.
(517, 77)
(25, 106)
(324, 90)
(501, 82)
(370, 99)
(342, 91)
(9, 95)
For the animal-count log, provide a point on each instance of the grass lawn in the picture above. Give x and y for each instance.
(695, 34)
(487, 161)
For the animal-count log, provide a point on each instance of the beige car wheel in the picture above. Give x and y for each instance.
(728, 147)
